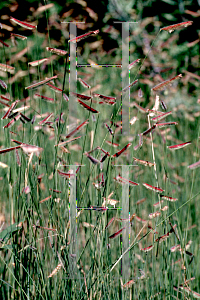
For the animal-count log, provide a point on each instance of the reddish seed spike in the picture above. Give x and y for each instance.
(162, 238)
(17, 142)
(45, 119)
(195, 165)
(65, 175)
(171, 28)
(132, 217)
(3, 43)
(37, 62)
(136, 147)
(178, 146)
(141, 109)
(162, 116)
(65, 150)
(33, 119)
(140, 220)
(2, 151)
(162, 85)
(106, 98)
(154, 215)
(57, 51)
(115, 124)
(155, 112)
(163, 105)
(104, 157)
(21, 37)
(130, 66)
(165, 124)
(37, 84)
(77, 129)
(125, 181)
(55, 191)
(47, 198)
(92, 150)
(110, 222)
(129, 283)
(92, 159)
(44, 97)
(59, 118)
(79, 167)
(25, 118)
(141, 201)
(114, 235)
(55, 88)
(83, 36)
(2, 102)
(147, 248)
(94, 111)
(143, 162)
(158, 203)
(7, 68)
(83, 97)
(65, 97)
(111, 102)
(149, 130)
(121, 151)
(12, 115)
(107, 102)
(176, 247)
(23, 24)
(153, 188)
(104, 151)
(112, 144)
(129, 86)
(4, 98)
(97, 148)
(12, 122)
(84, 83)
(109, 129)
(3, 84)
(26, 190)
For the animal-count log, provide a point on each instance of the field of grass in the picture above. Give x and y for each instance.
(61, 235)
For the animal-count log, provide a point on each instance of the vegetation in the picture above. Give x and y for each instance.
(89, 210)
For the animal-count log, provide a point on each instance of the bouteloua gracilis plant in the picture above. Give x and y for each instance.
(90, 210)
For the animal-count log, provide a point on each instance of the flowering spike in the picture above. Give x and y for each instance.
(171, 28)
(23, 24)
(162, 85)
(94, 111)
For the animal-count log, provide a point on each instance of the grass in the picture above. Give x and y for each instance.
(37, 260)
